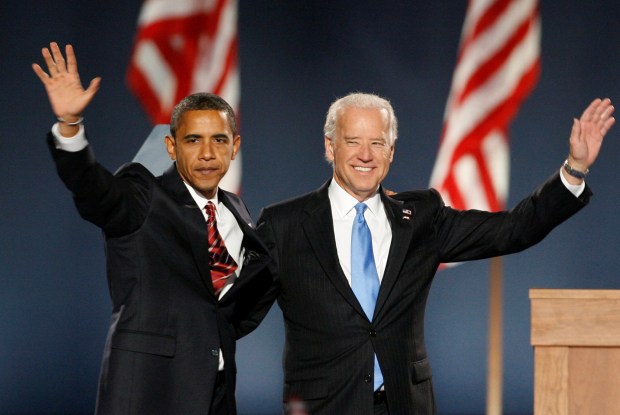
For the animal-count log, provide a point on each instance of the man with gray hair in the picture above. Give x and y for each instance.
(353, 266)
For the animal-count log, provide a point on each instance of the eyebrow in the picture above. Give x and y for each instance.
(354, 137)
(196, 135)
(192, 136)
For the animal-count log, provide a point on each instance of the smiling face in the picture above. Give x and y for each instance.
(360, 150)
(203, 148)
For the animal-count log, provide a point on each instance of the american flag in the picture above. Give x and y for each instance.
(182, 47)
(497, 67)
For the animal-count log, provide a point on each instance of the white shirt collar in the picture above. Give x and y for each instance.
(343, 203)
(200, 200)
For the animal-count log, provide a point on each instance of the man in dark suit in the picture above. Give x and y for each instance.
(179, 295)
(355, 322)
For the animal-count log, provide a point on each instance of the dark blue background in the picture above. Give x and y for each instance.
(296, 57)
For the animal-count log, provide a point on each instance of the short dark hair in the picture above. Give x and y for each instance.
(202, 101)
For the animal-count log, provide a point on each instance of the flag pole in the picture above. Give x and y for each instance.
(495, 345)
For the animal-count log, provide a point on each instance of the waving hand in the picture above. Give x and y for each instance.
(62, 83)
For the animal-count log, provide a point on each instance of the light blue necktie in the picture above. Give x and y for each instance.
(364, 277)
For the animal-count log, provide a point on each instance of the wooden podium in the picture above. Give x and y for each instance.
(576, 339)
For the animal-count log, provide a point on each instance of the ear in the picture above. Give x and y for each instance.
(391, 153)
(329, 149)
(171, 146)
(236, 146)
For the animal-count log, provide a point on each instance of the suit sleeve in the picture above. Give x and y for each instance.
(263, 305)
(116, 203)
(472, 234)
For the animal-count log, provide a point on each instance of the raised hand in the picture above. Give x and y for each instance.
(62, 83)
(588, 133)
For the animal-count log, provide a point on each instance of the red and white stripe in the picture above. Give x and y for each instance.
(497, 67)
(182, 47)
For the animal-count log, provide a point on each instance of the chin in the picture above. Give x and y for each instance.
(370, 187)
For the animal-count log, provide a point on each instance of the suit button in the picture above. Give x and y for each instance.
(215, 352)
(373, 333)
(368, 378)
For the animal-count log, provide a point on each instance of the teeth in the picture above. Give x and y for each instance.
(362, 169)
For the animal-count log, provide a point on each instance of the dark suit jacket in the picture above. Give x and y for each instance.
(162, 350)
(328, 357)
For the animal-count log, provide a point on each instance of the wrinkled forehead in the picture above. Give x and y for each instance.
(363, 122)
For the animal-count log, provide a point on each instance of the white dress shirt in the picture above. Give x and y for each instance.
(343, 213)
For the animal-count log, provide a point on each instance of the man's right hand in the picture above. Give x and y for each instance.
(64, 89)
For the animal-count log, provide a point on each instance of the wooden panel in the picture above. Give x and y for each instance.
(551, 381)
(575, 317)
(594, 384)
(584, 294)
(576, 334)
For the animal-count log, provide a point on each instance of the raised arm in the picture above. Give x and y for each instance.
(587, 137)
(64, 88)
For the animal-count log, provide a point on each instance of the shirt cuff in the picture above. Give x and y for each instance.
(72, 144)
(576, 189)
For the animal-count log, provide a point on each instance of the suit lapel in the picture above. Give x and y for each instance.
(319, 229)
(256, 255)
(194, 223)
(236, 206)
(401, 220)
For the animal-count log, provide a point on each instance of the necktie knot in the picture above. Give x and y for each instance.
(360, 208)
(210, 209)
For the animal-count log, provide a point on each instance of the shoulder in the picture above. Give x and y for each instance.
(424, 204)
(298, 203)
(234, 202)
(233, 197)
(133, 169)
(136, 174)
(428, 195)
(295, 208)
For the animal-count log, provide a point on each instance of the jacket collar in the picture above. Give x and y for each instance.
(318, 228)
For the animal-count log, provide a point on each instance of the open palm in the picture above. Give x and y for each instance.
(62, 83)
(589, 131)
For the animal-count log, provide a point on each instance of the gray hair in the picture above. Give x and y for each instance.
(360, 100)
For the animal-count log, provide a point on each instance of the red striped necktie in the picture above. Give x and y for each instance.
(222, 265)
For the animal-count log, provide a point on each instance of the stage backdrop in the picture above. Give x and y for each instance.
(295, 58)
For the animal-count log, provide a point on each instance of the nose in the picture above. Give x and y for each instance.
(206, 150)
(365, 151)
